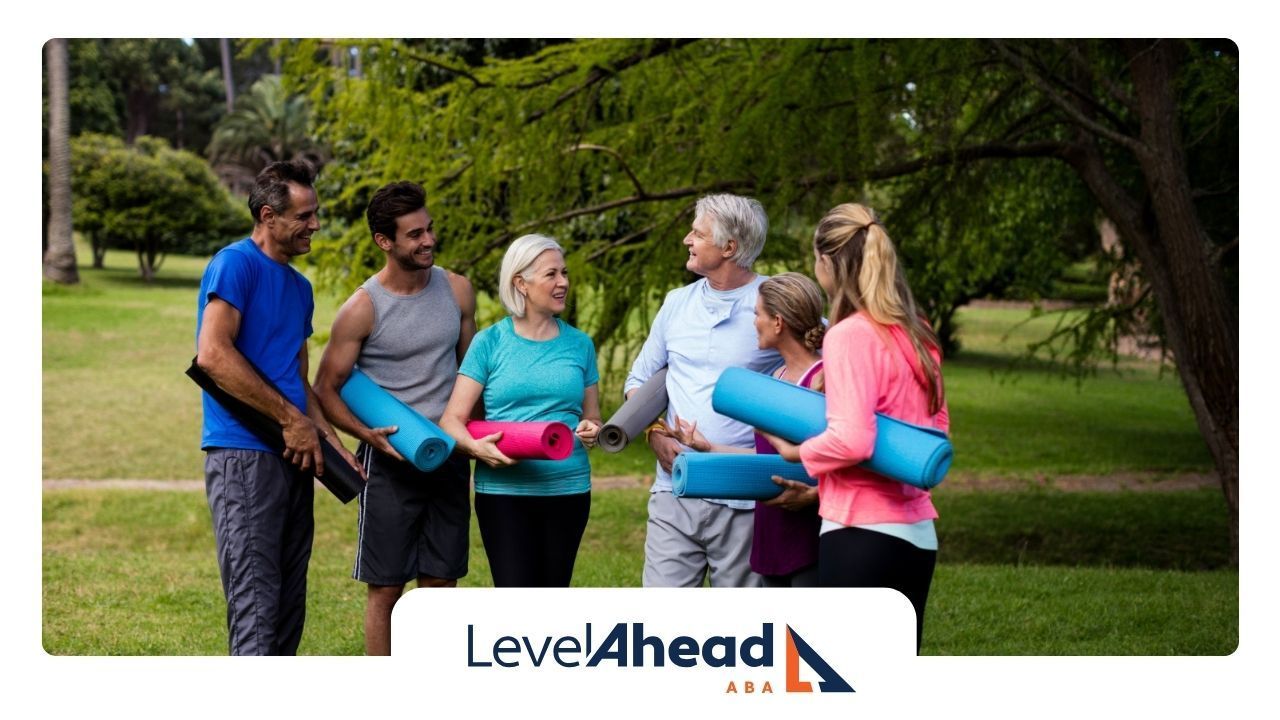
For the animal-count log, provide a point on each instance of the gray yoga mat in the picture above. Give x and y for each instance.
(646, 404)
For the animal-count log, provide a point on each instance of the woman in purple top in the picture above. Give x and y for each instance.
(784, 550)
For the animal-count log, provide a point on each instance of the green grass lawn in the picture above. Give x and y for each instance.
(1034, 421)
(1019, 573)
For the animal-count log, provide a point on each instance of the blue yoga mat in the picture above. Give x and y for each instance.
(418, 439)
(733, 476)
(915, 455)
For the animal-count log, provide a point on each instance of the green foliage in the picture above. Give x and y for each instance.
(606, 144)
(149, 198)
(136, 86)
(267, 125)
(97, 105)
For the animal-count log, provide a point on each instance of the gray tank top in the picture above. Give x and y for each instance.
(412, 351)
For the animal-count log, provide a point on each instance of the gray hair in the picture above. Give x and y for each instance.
(519, 259)
(740, 218)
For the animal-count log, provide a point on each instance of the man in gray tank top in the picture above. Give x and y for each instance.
(407, 328)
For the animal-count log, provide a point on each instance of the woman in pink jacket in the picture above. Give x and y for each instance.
(881, 356)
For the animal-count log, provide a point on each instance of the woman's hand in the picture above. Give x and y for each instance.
(486, 450)
(587, 432)
(686, 433)
(789, 451)
(795, 495)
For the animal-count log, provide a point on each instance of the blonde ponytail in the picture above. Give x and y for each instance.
(868, 278)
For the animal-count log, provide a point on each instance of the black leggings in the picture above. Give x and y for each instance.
(806, 576)
(532, 541)
(856, 557)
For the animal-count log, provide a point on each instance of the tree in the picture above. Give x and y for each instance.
(134, 87)
(267, 125)
(60, 251)
(151, 199)
(1152, 128)
(986, 157)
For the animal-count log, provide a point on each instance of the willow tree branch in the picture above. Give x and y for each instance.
(427, 60)
(950, 157)
(600, 73)
(1056, 98)
(615, 155)
(1116, 92)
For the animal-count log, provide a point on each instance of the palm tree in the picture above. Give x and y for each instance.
(60, 251)
(267, 125)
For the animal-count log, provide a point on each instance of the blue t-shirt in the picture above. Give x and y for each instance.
(533, 381)
(275, 305)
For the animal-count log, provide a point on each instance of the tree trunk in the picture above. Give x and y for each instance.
(1203, 333)
(1177, 260)
(145, 256)
(99, 251)
(228, 82)
(137, 113)
(60, 257)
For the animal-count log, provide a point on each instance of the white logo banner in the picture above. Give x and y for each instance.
(681, 648)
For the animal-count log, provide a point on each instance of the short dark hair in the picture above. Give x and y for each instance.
(392, 201)
(271, 187)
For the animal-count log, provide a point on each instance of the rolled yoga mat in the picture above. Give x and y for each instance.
(339, 477)
(734, 476)
(645, 404)
(419, 440)
(918, 456)
(527, 440)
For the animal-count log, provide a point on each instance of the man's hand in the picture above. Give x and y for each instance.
(302, 444)
(333, 440)
(665, 447)
(795, 495)
(377, 438)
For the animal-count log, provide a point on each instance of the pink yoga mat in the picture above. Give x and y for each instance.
(527, 440)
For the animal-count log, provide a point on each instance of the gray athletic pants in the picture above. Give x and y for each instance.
(262, 524)
(690, 540)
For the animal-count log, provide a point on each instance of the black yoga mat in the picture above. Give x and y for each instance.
(339, 477)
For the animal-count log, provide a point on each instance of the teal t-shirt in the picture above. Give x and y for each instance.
(533, 381)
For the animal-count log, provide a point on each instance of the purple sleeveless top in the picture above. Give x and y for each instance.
(785, 540)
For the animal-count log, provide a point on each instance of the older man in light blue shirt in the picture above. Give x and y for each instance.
(702, 329)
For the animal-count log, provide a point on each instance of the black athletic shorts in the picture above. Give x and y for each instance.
(412, 523)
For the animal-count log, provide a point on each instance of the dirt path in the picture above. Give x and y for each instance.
(960, 482)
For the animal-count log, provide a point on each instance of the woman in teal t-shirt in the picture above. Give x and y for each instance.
(530, 367)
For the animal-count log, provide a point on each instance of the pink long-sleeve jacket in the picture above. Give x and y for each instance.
(869, 369)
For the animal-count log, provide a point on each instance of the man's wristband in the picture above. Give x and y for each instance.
(657, 425)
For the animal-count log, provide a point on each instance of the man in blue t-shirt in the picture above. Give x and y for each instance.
(254, 315)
